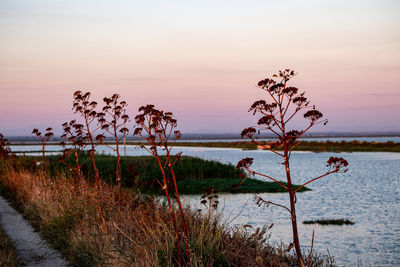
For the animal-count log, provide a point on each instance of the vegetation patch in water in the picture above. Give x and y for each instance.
(231, 185)
(330, 222)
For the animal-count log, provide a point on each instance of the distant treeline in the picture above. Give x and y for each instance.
(216, 136)
(314, 146)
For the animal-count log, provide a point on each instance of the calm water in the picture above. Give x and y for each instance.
(368, 194)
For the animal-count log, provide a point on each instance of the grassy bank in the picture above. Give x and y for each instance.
(315, 146)
(65, 213)
(142, 174)
(8, 255)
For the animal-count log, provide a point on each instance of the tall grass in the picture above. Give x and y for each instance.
(8, 254)
(144, 235)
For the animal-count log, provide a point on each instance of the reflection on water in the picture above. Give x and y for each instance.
(368, 194)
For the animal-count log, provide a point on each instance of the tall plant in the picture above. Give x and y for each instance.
(5, 150)
(43, 139)
(113, 121)
(73, 144)
(158, 129)
(276, 116)
(83, 106)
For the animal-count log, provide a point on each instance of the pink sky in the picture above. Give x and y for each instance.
(199, 59)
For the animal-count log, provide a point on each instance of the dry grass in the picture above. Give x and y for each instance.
(66, 215)
(8, 255)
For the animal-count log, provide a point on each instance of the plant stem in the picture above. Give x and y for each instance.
(180, 207)
(292, 197)
(43, 170)
(171, 210)
(96, 174)
(118, 171)
(292, 193)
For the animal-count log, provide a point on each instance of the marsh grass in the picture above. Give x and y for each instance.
(139, 173)
(143, 235)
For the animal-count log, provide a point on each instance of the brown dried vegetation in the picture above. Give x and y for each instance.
(275, 117)
(43, 139)
(158, 129)
(113, 121)
(83, 106)
(144, 235)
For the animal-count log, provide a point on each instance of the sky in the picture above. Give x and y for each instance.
(200, 60)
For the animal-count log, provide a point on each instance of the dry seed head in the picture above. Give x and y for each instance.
(244, 163)
(249, 132)
(124, 131)
(290, 91)
(313, 115)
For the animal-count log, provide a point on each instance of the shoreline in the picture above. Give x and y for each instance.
(310, 146)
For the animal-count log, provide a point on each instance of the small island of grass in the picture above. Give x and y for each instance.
(222, 185)
(330, 222)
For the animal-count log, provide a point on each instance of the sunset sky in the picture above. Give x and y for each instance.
(199, 59)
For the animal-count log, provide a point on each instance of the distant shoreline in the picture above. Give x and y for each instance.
(17, 140)
(312, 146)
(33, 141)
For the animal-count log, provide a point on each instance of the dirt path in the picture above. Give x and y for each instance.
(32, 250)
